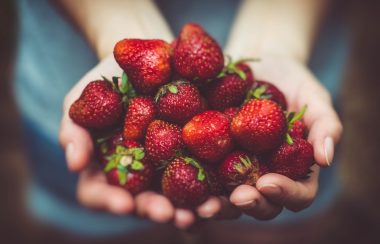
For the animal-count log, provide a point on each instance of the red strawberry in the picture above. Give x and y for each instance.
(163, 142)
(259, 126)
(107, 146)
(216, 188)
(184, 182)
(266, 90)
(231, 112)
(128, 168)
(240, 168)
(241, 65)
(207, 136)
(99, 106)
(292, 160)
(141, 111)
(230, 89)
(146, 62)
(197, 56)
(296, 128)
(178, 102)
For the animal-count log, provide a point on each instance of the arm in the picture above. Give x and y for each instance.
(281, 33)
(106, 22)
(276, 27)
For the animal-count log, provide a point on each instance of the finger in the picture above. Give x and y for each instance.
(228, 210)
(183, 218)
(77, 144)
(249, 199)
(294, 195)
(209, 208)
(325, 126)
(154, 206)
(94, 192)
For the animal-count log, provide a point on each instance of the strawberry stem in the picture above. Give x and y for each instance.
(289, 139)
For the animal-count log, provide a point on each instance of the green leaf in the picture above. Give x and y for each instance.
(123, 87)
(173, 89)
(137, 165)
(138, 153)
(120, 149)
(201, 175)
(289, 139)
(259, 91)
(299, 115)
(111, 165)
(241, 74)
(105, 79)
(221, 74)
(246, 161)
(239, 168)
(291, 116)
(122, 177)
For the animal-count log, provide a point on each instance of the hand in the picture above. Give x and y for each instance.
(93, 190)
(274, 191)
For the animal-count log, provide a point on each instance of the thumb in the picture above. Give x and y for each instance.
(76, 142)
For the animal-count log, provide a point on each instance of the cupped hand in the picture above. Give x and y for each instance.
(93, 191)
(274, 191)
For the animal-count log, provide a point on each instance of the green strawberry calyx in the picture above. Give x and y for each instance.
(171, 87)
(201, 172)
(257, 92)
(231, 67)
(125, 159)
(245, 163)
(123, 86)
(293, 117)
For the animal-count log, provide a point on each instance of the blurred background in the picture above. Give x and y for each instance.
(353, 218)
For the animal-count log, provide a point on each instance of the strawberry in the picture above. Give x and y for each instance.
(163, 141)
(216, 188)
(296, 128)
(231, 112)
(207, 136)
(98, 107)
(259, 126)
(266, 90)
(185, 183)
(230, 87)
(292, 160)
(128, 168)
(239, 168)
(197, 56)
(146, 62)
(107, 146)
(178, 102)
(141, 111)
(241, 65)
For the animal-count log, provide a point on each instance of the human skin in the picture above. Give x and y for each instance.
(283, 47)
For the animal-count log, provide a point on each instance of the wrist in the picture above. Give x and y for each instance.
(267, 49)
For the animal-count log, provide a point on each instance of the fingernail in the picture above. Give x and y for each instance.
(247, 204)
(70, 153)
(271, 189)
(328, 147)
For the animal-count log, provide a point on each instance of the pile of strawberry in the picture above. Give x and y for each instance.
(182, 122)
